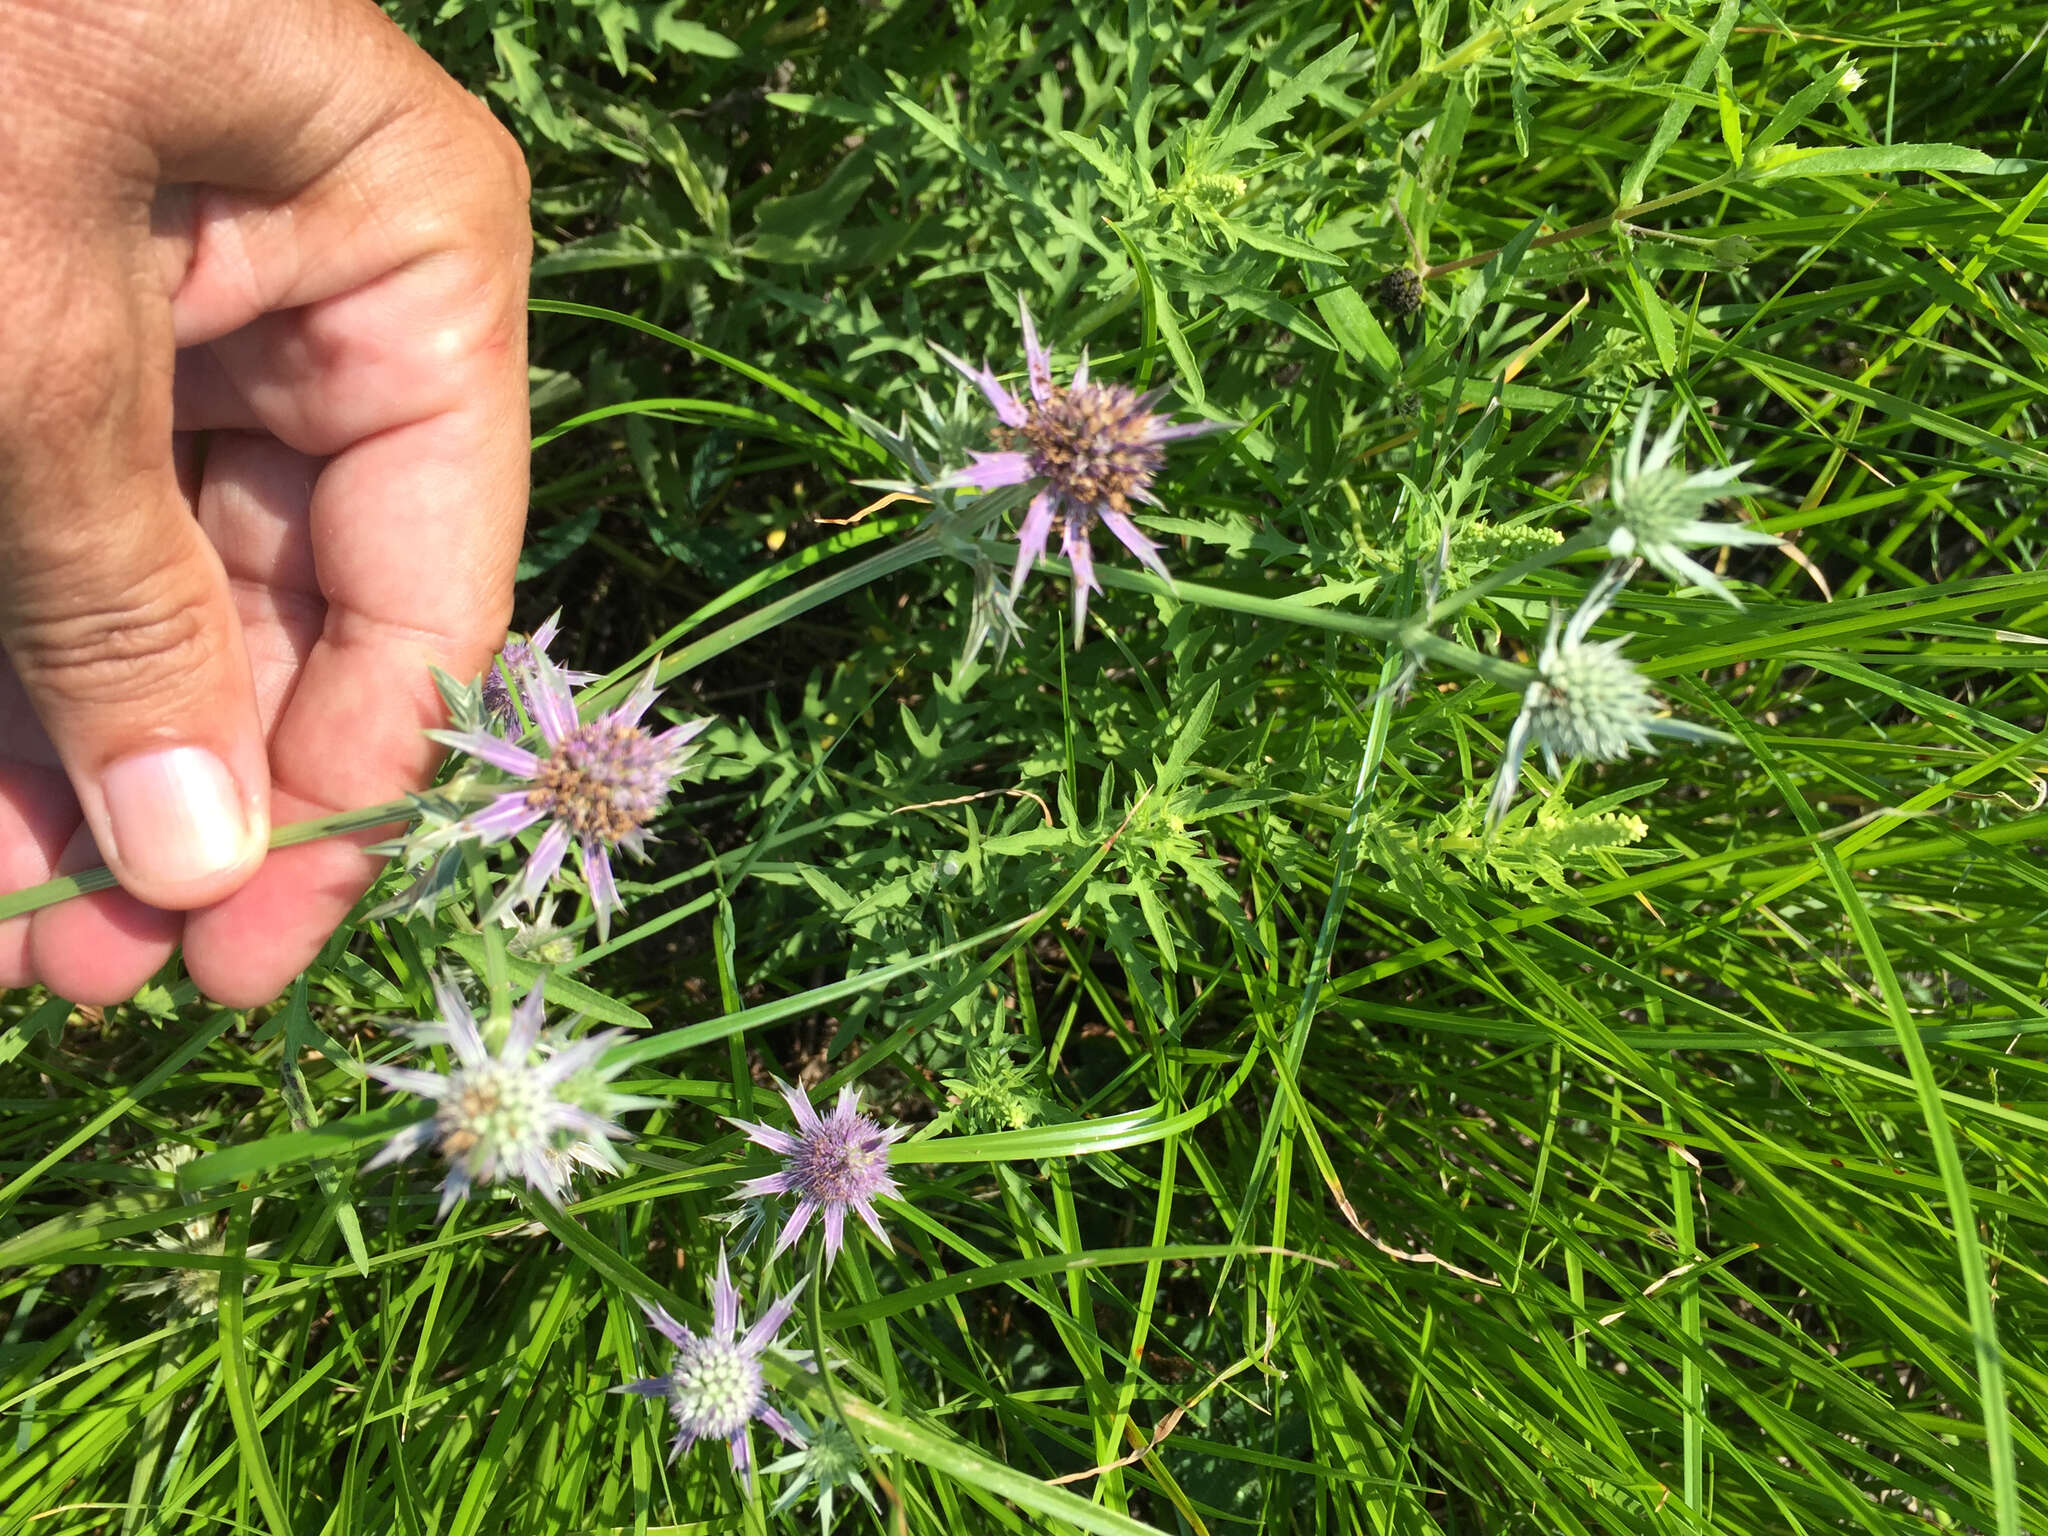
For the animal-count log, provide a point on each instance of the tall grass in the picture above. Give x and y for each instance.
(1289, 1153)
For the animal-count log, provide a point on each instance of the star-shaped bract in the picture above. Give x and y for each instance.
(1654, 508)
(832, 1164)
(1092, 449)
(599, 783)
(714, 1386)
(506, 1116)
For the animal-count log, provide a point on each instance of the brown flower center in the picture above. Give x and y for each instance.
(1091, 445)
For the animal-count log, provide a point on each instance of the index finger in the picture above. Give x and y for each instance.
(409, 379)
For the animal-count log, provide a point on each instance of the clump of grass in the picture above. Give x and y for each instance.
(1317, 1112)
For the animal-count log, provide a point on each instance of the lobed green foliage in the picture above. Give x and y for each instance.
(1291, 1155)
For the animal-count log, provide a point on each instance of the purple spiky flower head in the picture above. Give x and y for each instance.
(1091, 448)
(599, 783)
(518, 659)
(832, 1164)
(530, 1112)
(714, 1386)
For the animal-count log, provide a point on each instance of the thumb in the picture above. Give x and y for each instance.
(117, 616)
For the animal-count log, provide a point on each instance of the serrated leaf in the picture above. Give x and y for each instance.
(673, 31)
(1280, 102)
(1277, 244)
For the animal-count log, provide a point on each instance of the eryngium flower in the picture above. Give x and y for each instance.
(599, 782)
(1091, 448)
(195, 1289)
(827, 1458)
(1587, 701)
(834, 1163)
(714, 1386)
(531, 1112)
(1655, 506)
(518, 659)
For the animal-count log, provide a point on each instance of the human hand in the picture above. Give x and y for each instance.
(284, 228)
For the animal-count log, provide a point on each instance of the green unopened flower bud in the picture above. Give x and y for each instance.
(1732, 253)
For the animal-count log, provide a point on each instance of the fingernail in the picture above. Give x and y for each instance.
(176, 815)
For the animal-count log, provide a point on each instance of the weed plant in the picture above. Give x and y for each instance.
(1276, 1050)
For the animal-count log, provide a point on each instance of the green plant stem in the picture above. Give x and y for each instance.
(927, 544)
(86, 882)
(1408, 633)
(1590, 226)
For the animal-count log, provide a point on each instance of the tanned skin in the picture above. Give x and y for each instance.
(263, 448)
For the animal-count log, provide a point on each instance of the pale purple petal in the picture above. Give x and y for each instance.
(629, 713)
(527, 1016)
(780, 1425)
(742, 1459)
(867, 1214)
(725, 1301)
(426, 1085)
(769, 1323)
(1038, 361)
(781, 1143)
(767, 1185)
(846, 1109)
(545, 863)
(1128, 535)
(537, 1175)
(1175, 431)
(454, 1188)
(1009, 410)
(604, 891)
(459, 1024)
(544, 636)
(501, 754)
(570, 1059)
(1074, 545)
(677, 737)
(504, 816)
(1032, 537)
(648, 1386)
(799, 1106)
(665, 1325)
(988, 470)
(401, 1146)
(835, 1230)
(549, 700)
(794, 1227)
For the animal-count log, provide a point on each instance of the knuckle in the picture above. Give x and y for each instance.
(94, 653)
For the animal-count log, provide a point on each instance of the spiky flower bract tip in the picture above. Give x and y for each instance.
(517, 661)
(1654, 507)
